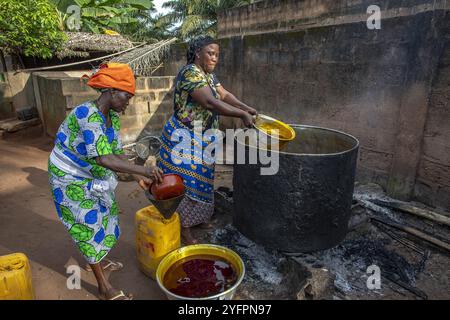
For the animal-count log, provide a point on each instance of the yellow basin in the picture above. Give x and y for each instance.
(267, 125)
(201, 249)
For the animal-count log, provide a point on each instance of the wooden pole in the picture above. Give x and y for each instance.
(423, 213)
(417, 233)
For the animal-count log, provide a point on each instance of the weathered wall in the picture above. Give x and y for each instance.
(59, 92)
(16, 92)
(175, 59)
(289, 15)
(387, 87)
(433, 176)
(6, 103)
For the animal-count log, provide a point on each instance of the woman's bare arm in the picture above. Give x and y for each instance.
(136, 177)
(117, 163)
(231, 99)
(207, 100)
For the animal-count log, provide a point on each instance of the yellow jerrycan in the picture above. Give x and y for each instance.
(15, 278)
(155, 238)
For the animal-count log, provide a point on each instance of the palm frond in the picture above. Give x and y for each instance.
(144, 60)
(196, 17)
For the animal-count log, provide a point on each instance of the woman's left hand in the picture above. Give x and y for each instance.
(252, 111)
(145, 183)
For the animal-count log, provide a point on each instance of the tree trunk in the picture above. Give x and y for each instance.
(3, 61)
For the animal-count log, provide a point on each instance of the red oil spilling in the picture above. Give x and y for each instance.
(200, 276)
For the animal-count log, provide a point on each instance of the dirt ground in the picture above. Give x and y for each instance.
(29, 224)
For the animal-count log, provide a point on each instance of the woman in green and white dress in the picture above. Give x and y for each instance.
(87, 152)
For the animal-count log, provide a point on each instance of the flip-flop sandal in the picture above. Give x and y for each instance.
(117, 297)
(111, 265)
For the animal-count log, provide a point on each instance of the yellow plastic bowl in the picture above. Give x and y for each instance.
(265, 124)
(201, 249)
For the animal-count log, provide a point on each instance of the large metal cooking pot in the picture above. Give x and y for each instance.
(306, 205)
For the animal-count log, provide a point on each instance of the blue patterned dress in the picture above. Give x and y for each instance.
(196, 167)
(92, 222)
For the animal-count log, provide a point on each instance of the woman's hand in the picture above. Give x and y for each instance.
(154, 173)
(248, 119)
(252, 111)
(145, 183)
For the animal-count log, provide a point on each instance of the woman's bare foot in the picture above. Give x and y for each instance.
(187, 237)
(105, 289)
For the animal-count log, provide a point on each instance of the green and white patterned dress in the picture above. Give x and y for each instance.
(91, 217)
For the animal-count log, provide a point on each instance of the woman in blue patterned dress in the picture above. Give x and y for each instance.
(87, 153)
(199, 99)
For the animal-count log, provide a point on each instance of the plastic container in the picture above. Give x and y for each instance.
(155, 238)
(172, 186)
(15, 278)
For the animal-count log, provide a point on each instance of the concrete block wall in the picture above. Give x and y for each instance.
(52, 103)
(16, 92)
(60, 92)
(149, 109)
(433, 175)
(290, 15)
(6, 98)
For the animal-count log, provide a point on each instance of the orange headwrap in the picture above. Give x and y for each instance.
(113, 75)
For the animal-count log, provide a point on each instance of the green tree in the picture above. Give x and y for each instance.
(148, 28)
(98, 15)
(30, 27)
(196, 17)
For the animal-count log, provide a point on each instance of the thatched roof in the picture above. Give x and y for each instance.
(79, 44)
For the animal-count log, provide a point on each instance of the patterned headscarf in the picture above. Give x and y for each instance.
(197, 44)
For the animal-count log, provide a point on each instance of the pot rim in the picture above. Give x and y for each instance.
(356, 146)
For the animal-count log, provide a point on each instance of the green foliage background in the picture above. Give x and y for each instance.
(30, 27)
